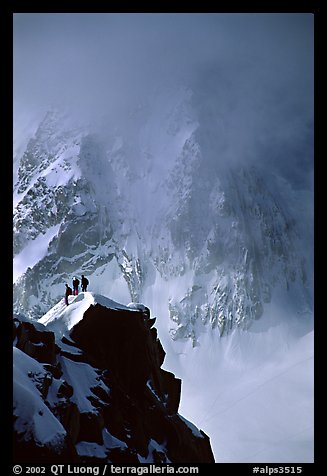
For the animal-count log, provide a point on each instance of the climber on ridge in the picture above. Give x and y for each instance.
(85, 283)
(67, 293)
(75, 286)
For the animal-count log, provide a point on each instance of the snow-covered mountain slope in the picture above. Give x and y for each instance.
(254, 392)
(88, 387)
(138, 213)
(160, 207)
(32, 416)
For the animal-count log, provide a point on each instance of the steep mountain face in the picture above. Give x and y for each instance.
(88, 387)
(149, 213)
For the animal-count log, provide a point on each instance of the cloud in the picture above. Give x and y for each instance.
(254, 71)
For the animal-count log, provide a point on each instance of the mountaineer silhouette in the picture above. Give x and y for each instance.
(67, 293)
(75, 286)
(84, 282)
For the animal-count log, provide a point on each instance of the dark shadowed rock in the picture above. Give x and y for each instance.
(37, 344)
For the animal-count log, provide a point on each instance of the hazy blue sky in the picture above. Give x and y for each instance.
(257, 68)
(64, 55)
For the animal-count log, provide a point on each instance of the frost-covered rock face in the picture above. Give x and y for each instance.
(244, 247)
(149, 213)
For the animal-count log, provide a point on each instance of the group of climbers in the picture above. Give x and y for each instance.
(76, 283)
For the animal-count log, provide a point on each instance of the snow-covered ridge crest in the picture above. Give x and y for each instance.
(70, 315)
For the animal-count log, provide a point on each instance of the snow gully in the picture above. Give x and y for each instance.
(57, 469)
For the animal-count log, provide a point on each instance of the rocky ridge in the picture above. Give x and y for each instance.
(98, 393)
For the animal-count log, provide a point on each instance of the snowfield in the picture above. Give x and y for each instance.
(253, 393)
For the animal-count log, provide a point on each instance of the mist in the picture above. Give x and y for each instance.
(253, 72)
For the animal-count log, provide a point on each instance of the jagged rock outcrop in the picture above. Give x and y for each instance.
(99, 394)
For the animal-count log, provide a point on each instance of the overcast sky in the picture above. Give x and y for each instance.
(258, 68)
